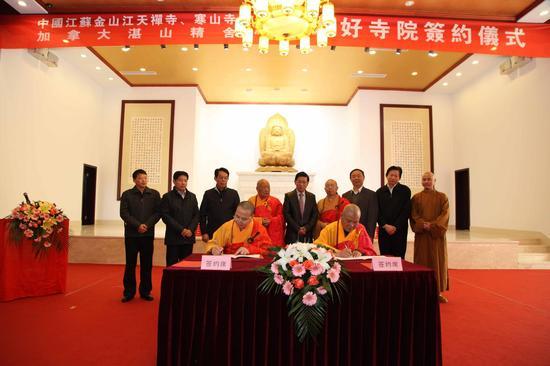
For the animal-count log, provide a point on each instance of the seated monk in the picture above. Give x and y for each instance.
(269, 211)
(240, 236)
(347, 237)
(330, 207)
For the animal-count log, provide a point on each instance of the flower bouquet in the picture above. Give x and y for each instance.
(311, 278)
(39, 221)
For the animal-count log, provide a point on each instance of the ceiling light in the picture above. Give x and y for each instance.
(111, 78)
(360, 71)
(276, 89)
(83, 55)
(142, 69)
(268, 17)
(542, 13)
(196, 47)
(409, 3)
(494, 48)
(371, 51)
(458, 74)
(414, 73)
(304, 69)
(21, 3)
(445, 83)
(248, 90)
(125, 48)
(333, 48)
(195, 68)
(65, 41)
(163, 46)
(475, 62)
(98, 68)
(184, 49)
(248, 69)
(432, 53)
(303, 90)
(226, 47)
(398, 51)
(160, 1)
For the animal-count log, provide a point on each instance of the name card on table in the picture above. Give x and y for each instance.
(216, 262)
(387, 264)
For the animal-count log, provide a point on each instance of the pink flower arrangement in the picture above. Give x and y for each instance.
(38, 221)
(310, 276)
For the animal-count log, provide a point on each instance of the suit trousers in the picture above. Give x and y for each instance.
(144, 247)
(394, 245)
(177, 253)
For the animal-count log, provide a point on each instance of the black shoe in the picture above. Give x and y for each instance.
(126, 298)
(147, 298)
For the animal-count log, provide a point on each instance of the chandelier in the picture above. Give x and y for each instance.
(285, 21)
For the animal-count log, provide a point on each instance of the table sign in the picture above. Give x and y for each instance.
(387, 264)
(216, 262)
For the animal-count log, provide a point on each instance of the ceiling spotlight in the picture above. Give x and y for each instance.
(542, 13)
(195, 69)
(21, 3)
(276, 89)
(304, 69)
(303, 90)
(248, 69)
(125, 48)
(409, 3)
(414, 73)
(142, 69)
(196, 46)
(494, 48)
(248, 90)
(65, 41)
(360, 72)
(475, 62)
(226, 47)
(398, 51)
(184, 49)
(333, 48)
(111, 78)
(83, 55)
(163, 46)
(445, 83)
(458, 74)
(432, 53)
(98, 68)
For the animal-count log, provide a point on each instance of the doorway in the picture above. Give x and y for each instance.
(462, 198)
(89, 176)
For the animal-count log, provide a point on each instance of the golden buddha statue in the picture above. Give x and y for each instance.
(276, 146)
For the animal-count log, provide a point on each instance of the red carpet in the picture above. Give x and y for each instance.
(494, 317)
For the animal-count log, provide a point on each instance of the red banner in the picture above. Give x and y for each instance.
(82, 30)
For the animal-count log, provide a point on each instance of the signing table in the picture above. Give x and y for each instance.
(220, 318)
(22, 274)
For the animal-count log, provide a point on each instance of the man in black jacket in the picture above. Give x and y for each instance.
(300, 211)
(218, 205)
(180, 213)
(139, 208)
(394, 201)
(365, 199)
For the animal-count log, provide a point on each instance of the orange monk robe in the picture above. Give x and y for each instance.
(430, 246)
(329, 213)
(272, 209)
(333, 237)
(253, 237)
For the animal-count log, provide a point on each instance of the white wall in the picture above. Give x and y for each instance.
(48, 129)
(502, 133)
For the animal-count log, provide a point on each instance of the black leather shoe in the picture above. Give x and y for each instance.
(126, 298)
(147, 298)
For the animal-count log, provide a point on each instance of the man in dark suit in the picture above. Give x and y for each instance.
(218, 205)
(365, 199)
(180, 213)
(300, 211)
(394, 201)
(139, 208)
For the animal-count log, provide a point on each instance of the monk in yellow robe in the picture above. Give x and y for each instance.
(242, 235)
(330, 208)
(269, 212)
(347, 237)
(429, 221)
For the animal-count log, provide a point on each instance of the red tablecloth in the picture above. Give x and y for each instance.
(220, 318)
(22, 274)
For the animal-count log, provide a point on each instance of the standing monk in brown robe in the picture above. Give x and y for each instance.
(429, 221)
